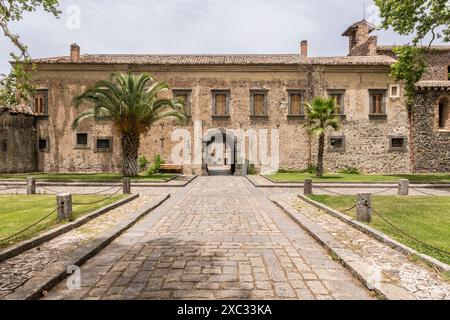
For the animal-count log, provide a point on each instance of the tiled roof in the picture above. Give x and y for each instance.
(433, 84)
(265, 59)
(372, 27)
(18, 109)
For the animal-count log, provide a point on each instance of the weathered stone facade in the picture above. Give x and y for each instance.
(367, 140)
(18, 145)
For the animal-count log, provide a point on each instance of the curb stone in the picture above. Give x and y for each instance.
(33, 289)
(56, 232)
(407, 251)
(350, 260)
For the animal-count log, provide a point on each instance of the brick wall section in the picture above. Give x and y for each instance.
(432, 147)
(19, 132)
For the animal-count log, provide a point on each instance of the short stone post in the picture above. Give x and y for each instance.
(31, 185)
(364, 207)
(403, 187)
(64, 206)
(126, 186)
(308, 187)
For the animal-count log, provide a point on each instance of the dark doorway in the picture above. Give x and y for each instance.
(220, 154)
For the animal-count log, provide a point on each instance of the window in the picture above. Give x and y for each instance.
(377, 102)
(43, 145)
(444, 114)
(337, 144)
(103, 144)
(3, 145)
(40, 103)
(258, 101)
(82, 140)
(394, 91)
(339, 97)
(221, 103)
(397, 143)
(296, 103)
(186, 96)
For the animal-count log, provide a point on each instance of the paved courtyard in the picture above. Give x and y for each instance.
(218, 238)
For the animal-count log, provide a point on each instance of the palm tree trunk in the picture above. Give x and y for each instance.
(320, 156)
(130, 153)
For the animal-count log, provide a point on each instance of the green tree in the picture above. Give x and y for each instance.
(416, 18)
(132, 103)
(321, 116)
(17, 84)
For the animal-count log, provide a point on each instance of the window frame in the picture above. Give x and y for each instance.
(391, 87)
(43, 92)
(341, 149)
(340, 92)
(82, 146)
(405, 143)
(227, 94)
(253, 93)
(383, 92)
(290, 93)
(47, 144)
(3, 146)
(103, 150)
(188, 104)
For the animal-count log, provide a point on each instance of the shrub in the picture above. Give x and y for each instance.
(252, 170)
(156, 165)
(312, 169)
(349, 170)
(143, 163)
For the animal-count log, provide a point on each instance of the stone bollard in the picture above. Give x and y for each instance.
(126, 186)
(308, 187)
(31, 185)
(364, 207)
(403, 187)
(64, 205)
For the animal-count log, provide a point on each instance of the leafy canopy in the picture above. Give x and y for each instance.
(18, 83)
(131, 101)
(321, 114)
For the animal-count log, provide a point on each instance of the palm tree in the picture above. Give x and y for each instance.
(321, 115)
(132, 103)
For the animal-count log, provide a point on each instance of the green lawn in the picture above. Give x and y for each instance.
(83, 177)
(20, 211)
(425, 218)
(300, 178)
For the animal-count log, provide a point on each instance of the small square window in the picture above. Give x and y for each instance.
(103, 145)
(82, 140)
(394, 91)
(43, 144)
(337, 144)
(397, 143)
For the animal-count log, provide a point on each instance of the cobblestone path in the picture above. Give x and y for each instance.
(218, 238)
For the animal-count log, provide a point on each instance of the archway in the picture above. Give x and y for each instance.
(444, 113)
(219, 153)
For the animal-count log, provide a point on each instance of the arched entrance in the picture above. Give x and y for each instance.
(219, 153)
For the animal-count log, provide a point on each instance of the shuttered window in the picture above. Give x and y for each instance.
(220, 106)
(39, 104)
(259, 108)
(377, 102)
(296, 107)
(186, 96)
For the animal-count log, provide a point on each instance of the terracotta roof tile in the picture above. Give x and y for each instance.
(434, 84)
(18, 109)
(439, 47)
(265, 59)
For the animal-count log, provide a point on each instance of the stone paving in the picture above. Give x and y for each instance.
(218, 238)
(18, 270)
(396, 272)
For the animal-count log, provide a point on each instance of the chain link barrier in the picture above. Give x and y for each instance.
(99, 201)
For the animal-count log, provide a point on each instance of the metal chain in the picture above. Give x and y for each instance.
(13, 187)
(423, 192)
(50, 190)
(408, 235)
(350, 209)
(99, 201)
(29, 227)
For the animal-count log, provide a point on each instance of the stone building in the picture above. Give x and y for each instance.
(255, 92)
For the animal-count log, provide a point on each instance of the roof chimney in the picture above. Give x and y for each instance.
(74, 53)
(304, 49)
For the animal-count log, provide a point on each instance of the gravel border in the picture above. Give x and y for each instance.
(34, 288)
(11, 252)
(441, 266)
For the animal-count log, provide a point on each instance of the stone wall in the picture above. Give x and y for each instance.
(367, 140)
(431, 145)
(18, 144)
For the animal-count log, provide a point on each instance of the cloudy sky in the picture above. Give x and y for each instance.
(193, 26)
